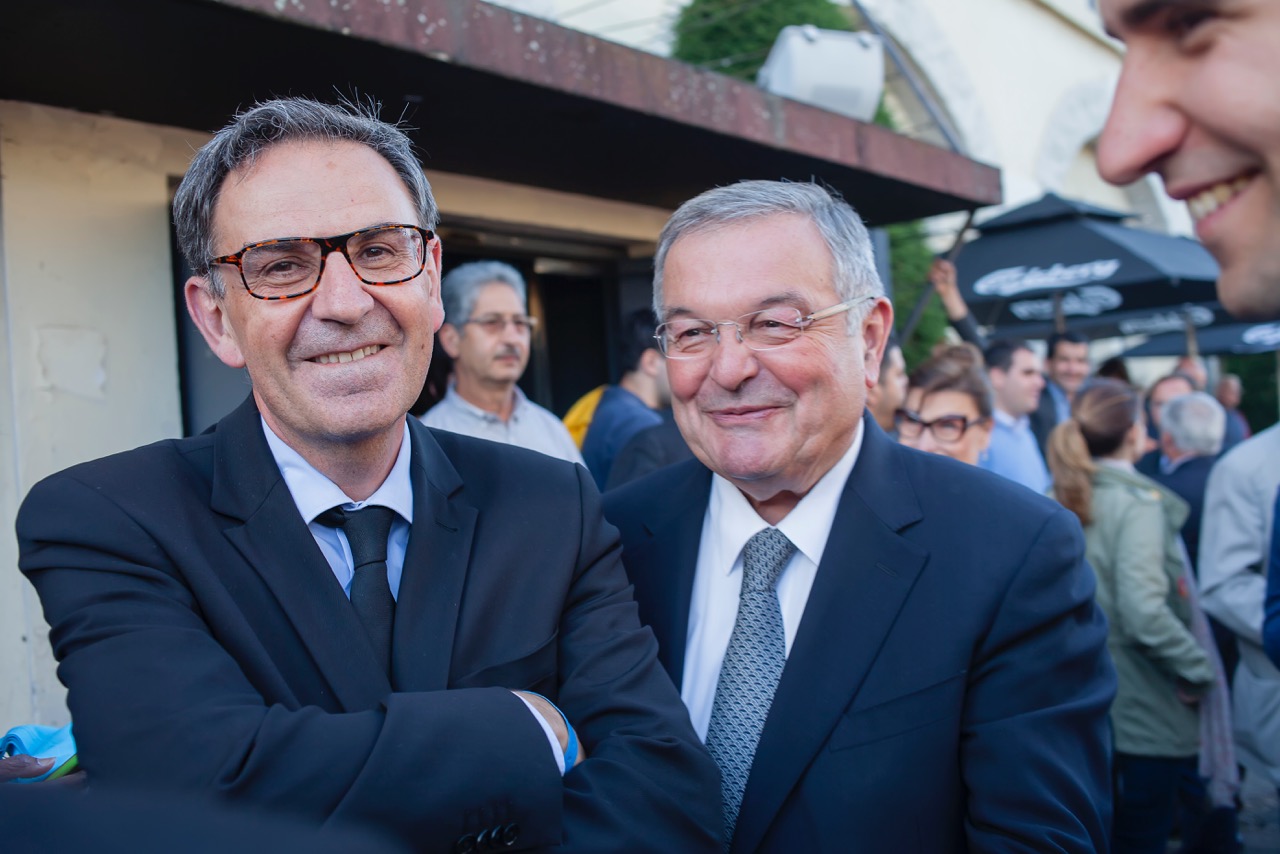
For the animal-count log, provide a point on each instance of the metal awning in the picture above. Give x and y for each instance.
(491, 92)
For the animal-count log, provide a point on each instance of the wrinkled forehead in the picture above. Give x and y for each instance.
(309, 189)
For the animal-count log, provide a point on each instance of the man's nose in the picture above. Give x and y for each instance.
(732, 362)
(1144, 125)
(341, 296)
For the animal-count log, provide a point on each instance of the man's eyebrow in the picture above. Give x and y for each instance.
(1140, 15)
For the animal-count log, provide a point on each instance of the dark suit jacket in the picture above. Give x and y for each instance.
(649, 450)
(948, 687)
(206, 645)
(1189, 481)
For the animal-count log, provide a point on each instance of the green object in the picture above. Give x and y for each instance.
(66, 768)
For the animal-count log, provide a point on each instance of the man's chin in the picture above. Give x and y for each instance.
(1251, 292)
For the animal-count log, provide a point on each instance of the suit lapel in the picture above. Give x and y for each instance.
(867, 573)
(273, 539)
(435, 569)
(668, 560)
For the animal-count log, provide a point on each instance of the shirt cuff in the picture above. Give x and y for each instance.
(546, 728)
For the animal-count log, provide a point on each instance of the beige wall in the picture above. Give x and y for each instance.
(90, 362)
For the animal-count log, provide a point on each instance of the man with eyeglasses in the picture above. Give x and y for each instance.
(323, 607)
(883, 649)
(487, 333)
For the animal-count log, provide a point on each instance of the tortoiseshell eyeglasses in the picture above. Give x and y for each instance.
(291, 267)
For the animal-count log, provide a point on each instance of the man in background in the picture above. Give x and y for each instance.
(487, 333)
(634, 403)
(1161, 392)
(1230, 392)
(890, 391)
(1066, 360)
(1016, 384)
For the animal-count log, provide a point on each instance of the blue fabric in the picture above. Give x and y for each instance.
(1271, 627)
(619, 416)
(1014, 454)
(42, 742)
(1145, 801)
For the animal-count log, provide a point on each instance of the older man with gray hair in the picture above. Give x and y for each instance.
(487, 332)
(882, 648)
(1191, 430)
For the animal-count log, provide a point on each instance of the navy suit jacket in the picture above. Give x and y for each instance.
(206, 645)
(948, 687)
(1189, 481)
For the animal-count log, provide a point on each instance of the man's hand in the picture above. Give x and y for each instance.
(23, 767)
(556, 722)
(942, 274)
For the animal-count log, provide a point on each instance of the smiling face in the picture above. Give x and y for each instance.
(772, 422)
(1196, 105)
(1068, 365)
(343, 364)
(939, 404)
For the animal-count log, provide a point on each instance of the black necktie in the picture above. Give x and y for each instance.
(367, 531)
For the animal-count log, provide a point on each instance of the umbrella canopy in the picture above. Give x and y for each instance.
(1104, 275)
(1218, 340)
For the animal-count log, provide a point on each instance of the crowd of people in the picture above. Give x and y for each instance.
(848, 608)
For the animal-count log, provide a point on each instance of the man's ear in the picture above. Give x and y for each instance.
(875, 338)
(651, 362)
(449, 336)
(210, 317)
(434, 296)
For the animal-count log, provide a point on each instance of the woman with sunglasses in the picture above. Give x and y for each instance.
(1131, 529)
(948, 407)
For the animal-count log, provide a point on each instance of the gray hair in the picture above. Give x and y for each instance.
(853, 263)
(461, 286)
(253, 131)
(1195, 423)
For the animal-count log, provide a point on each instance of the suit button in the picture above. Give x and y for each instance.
(465, 845)
(510, 834)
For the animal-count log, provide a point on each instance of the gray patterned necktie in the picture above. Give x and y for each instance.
(751, 670)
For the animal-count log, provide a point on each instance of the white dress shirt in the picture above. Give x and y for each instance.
(729, 522)
(313, 493)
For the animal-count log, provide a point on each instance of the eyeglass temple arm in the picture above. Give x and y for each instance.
(839, 307)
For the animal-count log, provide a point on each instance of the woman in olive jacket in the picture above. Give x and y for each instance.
(1131, 529)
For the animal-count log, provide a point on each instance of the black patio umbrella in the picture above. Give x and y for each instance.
(1215, 341)
(1057, 261)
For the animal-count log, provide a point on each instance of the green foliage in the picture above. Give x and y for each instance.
(1258, 376)
(734, 36)
(909, 260)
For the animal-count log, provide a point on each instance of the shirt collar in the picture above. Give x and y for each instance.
(1005, 419)
(807, 525)
(313, 493)
(517, 405)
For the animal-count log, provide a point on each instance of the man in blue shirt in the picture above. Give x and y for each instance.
(1016, 383)
(635, 403)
